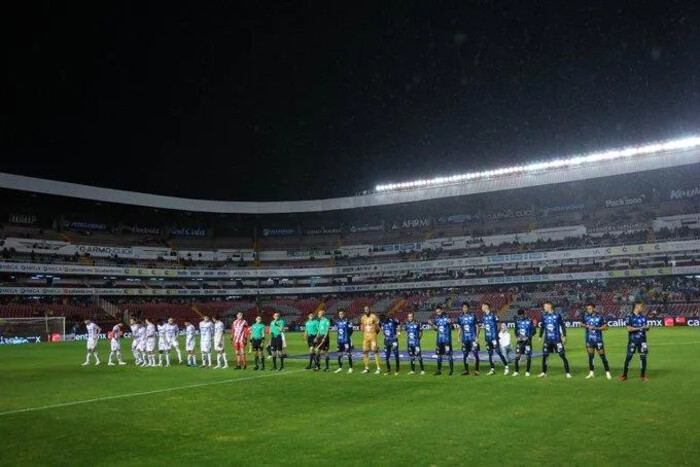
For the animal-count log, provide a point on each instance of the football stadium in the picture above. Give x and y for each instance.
(281, 233)
(421, 275)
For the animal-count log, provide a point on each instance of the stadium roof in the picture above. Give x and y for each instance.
(610, 163)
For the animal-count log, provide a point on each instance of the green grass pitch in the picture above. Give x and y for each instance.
(186, 416)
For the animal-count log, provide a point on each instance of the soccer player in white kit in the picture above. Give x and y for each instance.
(171, 333)
(189, 344)
(134, 324)
(93, 334)
(221, 358)
(116, 345)
(205, 333)
(150, 343)
(163, 344)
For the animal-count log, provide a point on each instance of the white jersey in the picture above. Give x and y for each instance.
(171, 333)
(504, 338)
(205, 331)
(141, 339)
(162, 338)
(93, 333)
(189, 337)
(135, 332)
(219, 335)
(115, 343)
(150, 338)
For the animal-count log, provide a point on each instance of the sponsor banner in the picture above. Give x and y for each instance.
(22, 219)
(560, 209)
(105, 251)
(322, 231)
(647, 272)
(81, 225)
(448, 263)
(624, 201)
(681, 194)
(365, 228)
(142, 229)
(510, 214)
(12, 340)
(191, 231)
(413, 246)
(278, 232)
(417, 223)
(623, 227)
(306, 253)
(617, 323)
(458, 218)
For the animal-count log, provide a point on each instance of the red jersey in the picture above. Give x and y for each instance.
(239, 331)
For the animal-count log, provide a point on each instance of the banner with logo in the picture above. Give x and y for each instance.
(555, 209)
(84, 225)
(681, 194)
(65, 291)
(191, 231)
(322, 231)
(459, 218)
(21, 219)
(440, 264)
(618, 228)
(278, 231)
(417, 223)
(510, 214)
(625, 201)
(365, 228)
(142, 229)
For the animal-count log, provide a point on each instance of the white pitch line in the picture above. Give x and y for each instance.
(143, 393)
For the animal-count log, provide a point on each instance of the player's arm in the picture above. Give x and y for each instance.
(541, 329)
(603, 327)
(562, 325)
(99, 331)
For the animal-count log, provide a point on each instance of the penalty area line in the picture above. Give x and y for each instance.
(142, 393)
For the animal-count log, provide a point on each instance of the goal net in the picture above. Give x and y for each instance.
(44, 329)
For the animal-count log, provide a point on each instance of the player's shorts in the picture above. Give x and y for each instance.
(257, 344)
(595, 344)
(470, 346)
(637, 346)
(323, 344)
(369, 342)
(189, 344)
(414, 350)
(141, 345)
(205, 344)
(161, 344)
(276, 343)
(391, 344)
(150, 344)
(239, 345)
(115, 344)
(91, 343)
(443, 348)
(218, 344)
(173, 343)
(553, 347)
(134, 344)
(492, 344)
(344, 346)
(311, 341)
(524, 347)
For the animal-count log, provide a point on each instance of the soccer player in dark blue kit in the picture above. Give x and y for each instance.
(469, 336)
(489, 322)
(554, 330)
(524, 330)
(637, 328)
(595, 325)
(390, 328)
(414, 334)
(443, 347)
(344, 332)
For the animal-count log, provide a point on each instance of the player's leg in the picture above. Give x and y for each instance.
(499, 352)
(327, 356)
(365, 353)
(348, 351)
(477, 360)
(489, 351)
(419, 353)
(377, 360)
(465, 355)
(545, 357)
(176, 346)
(591, 363)
(528, 357)
(562, 354)
(396, 357)
(387, 357)
(604, 359)
(412, 356)
(312, 353)
(631, 349)
(516, 360)
(438, 353)
(450, 359)
(643, 351)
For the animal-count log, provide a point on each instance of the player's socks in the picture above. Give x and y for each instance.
(439, 364)
(274, 362)
(328, 362)
(545, 357)
(476, 361)
(516, 363)
(413, 364)
(377, 361)
(350, 360)
(590, 362)
(340, 361)
(420, 361)
(312, 360)
(503, 358)
(452, 365)
(167, 359)
(529, 364)
(628, 359)
(566, 363)
(179, 355)
(109, 359)
(365, 358)
(160, 358)
(225, 360)
(464, 362)
(606, 365)
(282, 362)
(642, 360)
(396, 357)
(97, 359)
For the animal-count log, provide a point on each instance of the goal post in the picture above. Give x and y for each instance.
(39, 329)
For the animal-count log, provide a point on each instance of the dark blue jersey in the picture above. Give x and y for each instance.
(593, 319)
(344, 330)
(490, 323)
(637, 321)
(552, 326)
(390, 328)
(467, 322)
(413, 333)
(524, 328)
(444, 329)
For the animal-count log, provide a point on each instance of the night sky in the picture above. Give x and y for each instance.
(258, 101)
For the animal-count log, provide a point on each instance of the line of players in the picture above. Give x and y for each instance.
(148, 336)
(552, 333)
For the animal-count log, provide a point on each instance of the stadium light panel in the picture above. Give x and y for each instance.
(672, 145)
